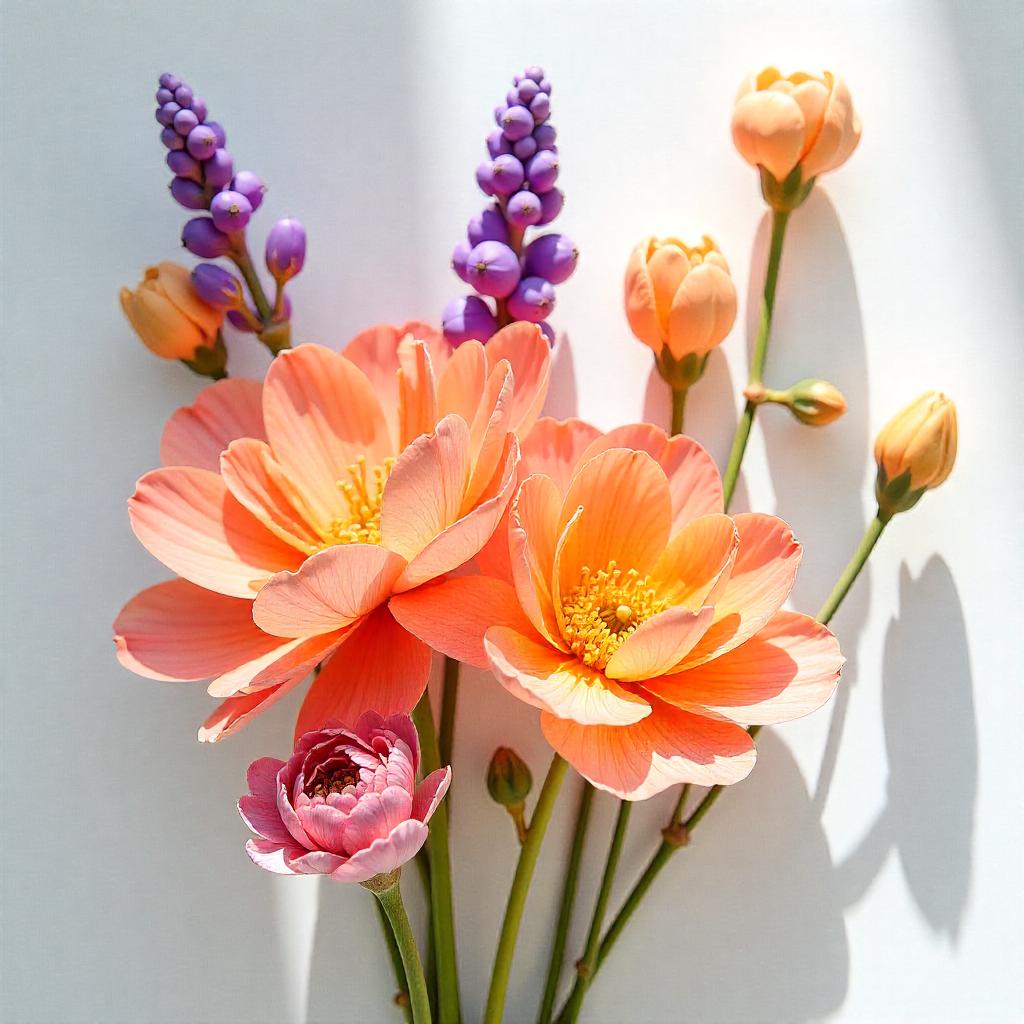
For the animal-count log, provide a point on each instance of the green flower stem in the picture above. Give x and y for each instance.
(394, 908)
(275, 336)
(739, 444)
(678, 832)
(449, 697)
(441, 917)
(678, 409)
(520, 887)
(547, 1007)
(585, 970)
(395, 954)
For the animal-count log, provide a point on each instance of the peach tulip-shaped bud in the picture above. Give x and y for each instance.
(681, 302)
(165, 312)
(915, 452)
(793, 129)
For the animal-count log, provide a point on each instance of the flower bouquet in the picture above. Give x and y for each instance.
(358, 512)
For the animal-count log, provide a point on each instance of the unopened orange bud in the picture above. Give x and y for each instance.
(816, 402)
(915, 451)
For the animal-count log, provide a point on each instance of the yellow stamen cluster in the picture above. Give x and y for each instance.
(364, 491)
(603, 609)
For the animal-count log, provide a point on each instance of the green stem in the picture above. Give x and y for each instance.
(402, 995)
(739, 444)
(276, 336)
(680, 829)
(547, 1006)
(449, 697)
(442, 919)
(394, 908)
(586, 968)
(678, 409)
(520, 887)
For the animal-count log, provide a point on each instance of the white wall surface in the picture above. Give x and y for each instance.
(869, 870)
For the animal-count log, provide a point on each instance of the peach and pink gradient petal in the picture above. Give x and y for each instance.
(417, 391)
(659, 644)
(789, 669)
(452, 615)
(488, 432)
(555, 448)
(696, 564)
(292, 660)
(547, 679)
(196, 434)
(187, 518)
(235, 713)
(379, 667)
(839, 133)
(703, 310)
(762, 576)
(768, 128)
(321, 415)
(529, 355)
(461, 384)
(670, 746)
(385, 854)
(330, 590)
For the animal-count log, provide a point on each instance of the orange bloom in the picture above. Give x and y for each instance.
(167, 315)
(781, 122)
(294, 511)
(643, 622)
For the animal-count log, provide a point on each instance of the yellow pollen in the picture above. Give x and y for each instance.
(603, 609)
(364, 492)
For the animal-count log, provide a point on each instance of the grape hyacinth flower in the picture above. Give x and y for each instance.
(205, 182)
(513, 280)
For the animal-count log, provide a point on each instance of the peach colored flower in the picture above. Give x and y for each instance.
(643, 622)
(167, 315)
(779, 122)
(292, 512)
(345, 804)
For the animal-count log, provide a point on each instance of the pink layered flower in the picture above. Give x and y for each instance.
(345, 804)
(643, 622)
(293, 511)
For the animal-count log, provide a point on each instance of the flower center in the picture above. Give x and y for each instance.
(335, 776)
(364, 491)
(603, 609)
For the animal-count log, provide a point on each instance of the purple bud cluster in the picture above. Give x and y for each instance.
(520, 177)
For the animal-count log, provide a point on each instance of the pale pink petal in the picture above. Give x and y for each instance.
(544, 677)
(186, 518)
(374, 817)
(330, 590)
(762, 576)
(670, 746)
(384, 855)
(452, 615)
(261, 777)
(529, 354)
(789, 669)
(271, 856)
(555, 448)
(321, 416)
(313, 862)
(260, 815)
(237, 712)
(196, 434)
(380, 667)
(659, 644)
(429, 793)
(325, 826)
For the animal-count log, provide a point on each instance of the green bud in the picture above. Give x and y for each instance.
(680, 374)
(785, 196)
(508, 778)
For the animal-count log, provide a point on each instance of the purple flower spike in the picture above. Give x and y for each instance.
(202, 141)
(485, 178)
(545, 136)
(493, 269)
(552, 257)
(497, 144)
(239, 322)
(183, 95)
(184, 166)
(540, 107)
(216, 287)
(533, 300)
(548, 331)
(499, 113)
(542, 170)
(487, 226)
(218, 169)
(545, 86)
(516, 123)
(525, 148)
(171, 139)
(528, 88)
(230, 211)
(286, 249)
(204, 240)
(459, 256)
(467, 318)
(506, 175)
(251, 186)
(169, 81)
(189, 193)
(523, 209)
(163, 96)
(165, 114)
(551, 203)
(536, 72)
(185, 121)
(217, 130)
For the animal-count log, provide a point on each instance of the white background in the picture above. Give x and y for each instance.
(884, 887)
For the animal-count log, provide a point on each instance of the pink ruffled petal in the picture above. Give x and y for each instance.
(313, 862)
(261, 777)
(375, 816)
(260, 815)
(430, 793)
(384, 855)
(271, 856)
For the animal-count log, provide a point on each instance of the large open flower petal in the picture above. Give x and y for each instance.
(762, 576)
(697, 561)
(461, 384)
(293, 659)
(789, 669)
(196, 434)
(668, 747)
(659, 644)
(529, 355)
(544, 677)
(380, 667)
(489, 431)
(417, 391)
(330, 590)
(237, 712)
(452, 615)
(555, 448)
(321, 415)
(187, 518)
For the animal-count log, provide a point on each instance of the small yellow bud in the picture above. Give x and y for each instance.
(816, 402)
(915, 451)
